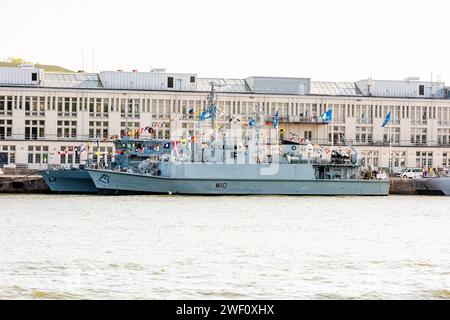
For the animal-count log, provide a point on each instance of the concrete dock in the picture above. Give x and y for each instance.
(23, 184)
(402, 186)
(16, 180)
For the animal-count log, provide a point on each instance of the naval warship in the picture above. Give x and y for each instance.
(226, 165)
(290, 178)
(432, 186)
(129, 152)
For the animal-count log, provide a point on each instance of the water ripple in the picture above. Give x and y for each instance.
(177, 247)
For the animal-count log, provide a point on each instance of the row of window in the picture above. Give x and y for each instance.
(390, 135)
(35, 129)
(69, 155)
(424, 159)
(161, 108)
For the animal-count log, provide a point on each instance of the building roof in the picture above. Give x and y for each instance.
(223, 85)
(72, 80)
(162, 81)
(334, 88)
(45, 67)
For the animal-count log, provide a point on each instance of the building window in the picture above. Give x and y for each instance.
(424, 159)
(37, 154)
(418, 135)
(337, 136)
(307, 135)
(443, 137)
(6, 105)
(363, 135)
(446, 159)
(102, 155)
(91, 106)
(130, 108)
(7, 155)
(364, 114)
(395, 135)
(67, 129)
(35, 106)
(162, 130)
(98, 107)
(421, 90)
(418, 115)
(398, 159)
(338, 112)
(98, 129)
(67, 107)
(69, 155)
(129, 127)
(34, 129)
(169, 82)
(443, 115)
(5, 129)
(165, 107)
(370, 158)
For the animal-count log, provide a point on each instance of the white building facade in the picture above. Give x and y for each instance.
(47, 118)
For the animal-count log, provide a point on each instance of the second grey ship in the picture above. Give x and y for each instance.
(129, 152)
(439, 186)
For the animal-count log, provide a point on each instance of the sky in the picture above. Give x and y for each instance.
(326, 40)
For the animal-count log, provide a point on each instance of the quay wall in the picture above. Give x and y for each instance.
(22, 184)
(402, 186)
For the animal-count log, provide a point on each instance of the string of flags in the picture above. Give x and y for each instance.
(208, 113)
(139, 131)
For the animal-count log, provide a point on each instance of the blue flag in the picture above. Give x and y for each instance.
(208, 113)
(388, 119)
(205, 115)
(328, 115)
(275, 120)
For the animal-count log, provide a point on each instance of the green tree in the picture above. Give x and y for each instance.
(16, 60)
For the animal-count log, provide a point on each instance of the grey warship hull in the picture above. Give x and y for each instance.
(120, 182)
(69, 181)
(78, 180)
(432, 186)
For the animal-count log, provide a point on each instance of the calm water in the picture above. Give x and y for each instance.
(164, 247)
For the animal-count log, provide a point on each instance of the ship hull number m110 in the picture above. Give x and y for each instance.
(221, 185)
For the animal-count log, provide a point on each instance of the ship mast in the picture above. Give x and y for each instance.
(212, 110)
(258, 129)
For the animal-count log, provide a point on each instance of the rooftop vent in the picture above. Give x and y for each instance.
(26, 66)
(412, 79)
(157, 69)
